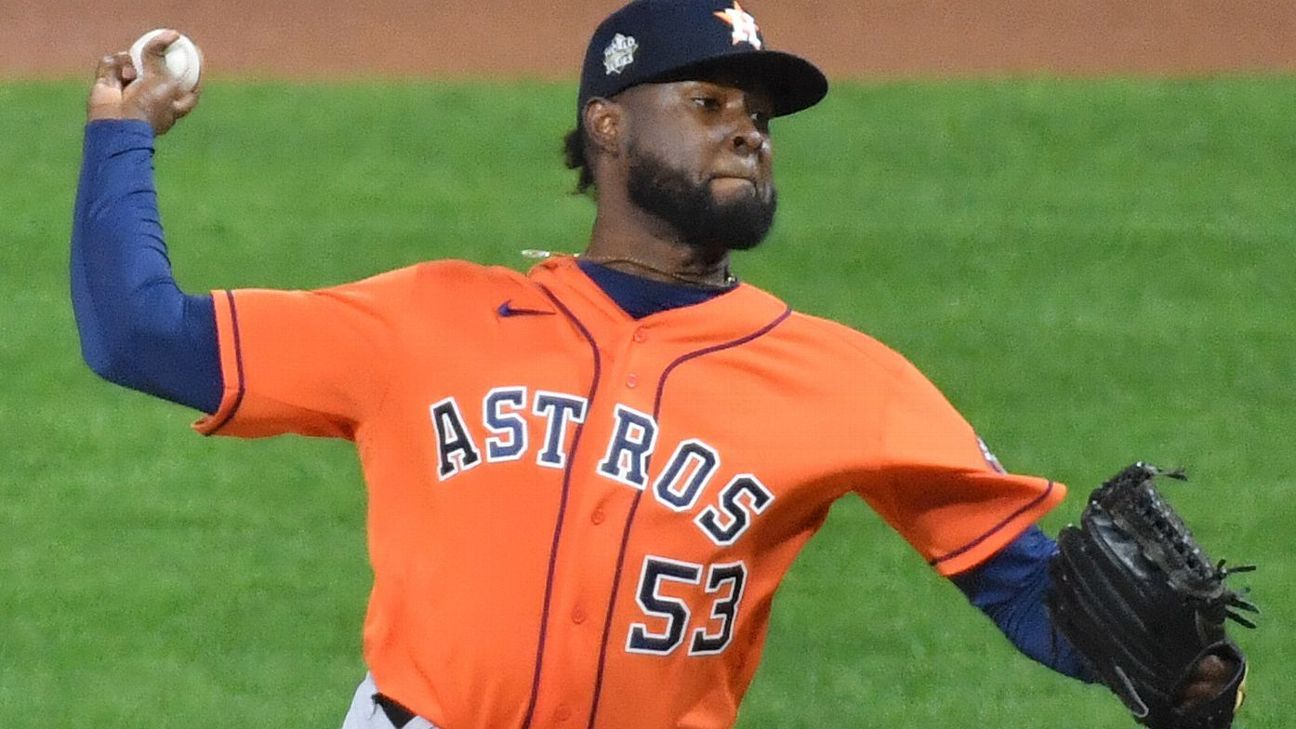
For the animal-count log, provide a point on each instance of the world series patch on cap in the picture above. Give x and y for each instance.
(652, 41)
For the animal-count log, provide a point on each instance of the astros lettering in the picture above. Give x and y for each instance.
(678, 485)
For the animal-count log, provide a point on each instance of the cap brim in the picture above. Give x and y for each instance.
(793, 83)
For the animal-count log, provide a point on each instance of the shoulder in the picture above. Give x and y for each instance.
(461, 274)
(836, 344)
(449, 281)
(869, 368)
(428, 286)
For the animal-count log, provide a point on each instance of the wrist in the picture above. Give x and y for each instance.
(103, 112)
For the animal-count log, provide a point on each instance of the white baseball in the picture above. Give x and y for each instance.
(183, 59)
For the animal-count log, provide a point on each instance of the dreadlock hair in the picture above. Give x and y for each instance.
(575, 146)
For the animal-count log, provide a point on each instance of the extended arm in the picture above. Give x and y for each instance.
(1010, 589)
(137, 328)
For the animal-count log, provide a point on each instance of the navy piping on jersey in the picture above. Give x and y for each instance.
(993, 530)
(634, 507)
(238, 359)
(562, 503)
(661, 389)
(607, 619)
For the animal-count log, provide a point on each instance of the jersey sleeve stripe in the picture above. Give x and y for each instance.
(964, 558)
(231, 356)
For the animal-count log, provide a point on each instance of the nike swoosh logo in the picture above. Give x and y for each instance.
(507, 309)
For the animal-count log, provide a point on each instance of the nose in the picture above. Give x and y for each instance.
(747, 139)
(747, 136)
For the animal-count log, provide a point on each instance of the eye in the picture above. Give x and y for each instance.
(710, 103)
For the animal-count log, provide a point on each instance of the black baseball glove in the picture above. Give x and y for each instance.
(1143, 604)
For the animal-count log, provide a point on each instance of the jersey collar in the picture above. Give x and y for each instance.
(735, 313)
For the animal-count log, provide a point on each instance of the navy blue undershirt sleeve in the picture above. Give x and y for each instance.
(137, 328)
(1010, 589)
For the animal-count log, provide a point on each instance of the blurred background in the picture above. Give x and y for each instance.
(1076, 216)
(326, 39)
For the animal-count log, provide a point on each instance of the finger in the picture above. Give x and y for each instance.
(104, 101)
(153, 55)
(1209, 677)
(185, 104)
(109, 71)
(1212, 669)
(128, 72)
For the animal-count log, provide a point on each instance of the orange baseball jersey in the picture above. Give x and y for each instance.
(580, 519)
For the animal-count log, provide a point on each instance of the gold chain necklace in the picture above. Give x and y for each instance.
(729, 279)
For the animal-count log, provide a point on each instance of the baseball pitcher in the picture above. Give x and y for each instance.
(586, 482)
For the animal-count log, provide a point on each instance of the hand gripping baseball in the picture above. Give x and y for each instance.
(121, 91)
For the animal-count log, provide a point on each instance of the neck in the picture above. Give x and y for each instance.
(637, 243)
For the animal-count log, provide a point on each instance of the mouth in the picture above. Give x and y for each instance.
(735, 175)
(734, 181)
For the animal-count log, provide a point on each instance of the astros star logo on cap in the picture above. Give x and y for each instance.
(744, 25)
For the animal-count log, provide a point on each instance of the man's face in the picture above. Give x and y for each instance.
(699, 158)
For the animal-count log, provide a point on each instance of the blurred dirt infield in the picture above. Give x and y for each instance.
(325, 39)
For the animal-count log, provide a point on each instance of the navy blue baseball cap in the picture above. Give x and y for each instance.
(650, 41)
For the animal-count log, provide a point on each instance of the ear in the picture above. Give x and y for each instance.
(604, 120)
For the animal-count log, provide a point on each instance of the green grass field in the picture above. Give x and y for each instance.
(1094, 271)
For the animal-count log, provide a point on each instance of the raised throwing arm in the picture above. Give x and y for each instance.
(137, 328)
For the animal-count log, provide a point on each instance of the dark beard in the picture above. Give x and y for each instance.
(702, 222)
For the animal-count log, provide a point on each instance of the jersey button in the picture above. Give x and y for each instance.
(640, 335)
(598, 516)
(578, 616)
(562, 714)
(632, 380)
